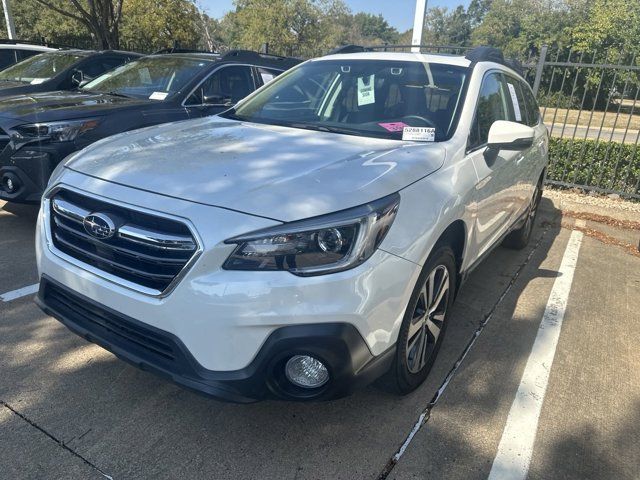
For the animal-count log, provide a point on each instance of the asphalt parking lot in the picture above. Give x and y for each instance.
(72, 410)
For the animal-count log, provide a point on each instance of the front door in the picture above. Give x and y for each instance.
(221, 90)
(496, 196)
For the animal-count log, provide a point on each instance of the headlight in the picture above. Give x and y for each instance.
(326, 244)
(65, 131)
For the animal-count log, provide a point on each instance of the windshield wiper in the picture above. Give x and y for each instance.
(331, 129)
(114, 93)
(342, 130)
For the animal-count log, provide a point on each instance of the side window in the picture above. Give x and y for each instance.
(267, 74)
(228, 85)
(492, 106)
(24, 54)
(97, 66)
(533, 110)
(7, 58)
(518, 102)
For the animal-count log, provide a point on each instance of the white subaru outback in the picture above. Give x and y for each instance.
(307, 241)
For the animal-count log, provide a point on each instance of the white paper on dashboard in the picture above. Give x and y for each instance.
(366, 92)
(419, 134)
(158, 96)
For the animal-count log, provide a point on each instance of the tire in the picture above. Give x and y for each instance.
(410, 370)
(518, 239)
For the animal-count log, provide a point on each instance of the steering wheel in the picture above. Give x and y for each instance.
(429, 122)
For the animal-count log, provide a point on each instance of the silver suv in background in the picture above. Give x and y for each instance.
(14, 51)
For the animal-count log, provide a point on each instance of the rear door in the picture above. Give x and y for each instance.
(527, 162)
(496, 201)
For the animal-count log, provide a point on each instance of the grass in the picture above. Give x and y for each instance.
(575, 117)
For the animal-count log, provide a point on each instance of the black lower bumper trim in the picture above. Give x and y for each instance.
(339, 345)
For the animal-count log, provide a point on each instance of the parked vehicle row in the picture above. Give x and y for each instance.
(302, 243)
(37, 131)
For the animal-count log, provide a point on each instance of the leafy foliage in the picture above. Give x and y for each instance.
(312, 27)
(606, 165)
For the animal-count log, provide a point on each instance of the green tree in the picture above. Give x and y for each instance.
(610, 24)
(291, 27)
(101, 17)
(34, 22)
(444, 27)
(373, 28)
(152, 24)
(520, 27)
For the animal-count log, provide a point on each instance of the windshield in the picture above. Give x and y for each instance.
(154, 77)
(40, 68)
(376, 98)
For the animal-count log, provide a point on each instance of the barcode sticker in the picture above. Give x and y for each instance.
(419, 134)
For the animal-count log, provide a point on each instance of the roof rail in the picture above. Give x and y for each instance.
(349, 49)
(182, 50)
(251, 56)
(41, 43)
(485, 54)
(491, 54)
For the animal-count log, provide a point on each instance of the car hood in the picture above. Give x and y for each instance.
(62, 105)
(271, 171)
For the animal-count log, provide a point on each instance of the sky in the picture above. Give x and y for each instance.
(399, 13)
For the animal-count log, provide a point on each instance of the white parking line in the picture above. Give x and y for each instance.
(19, 293)
(516, 445)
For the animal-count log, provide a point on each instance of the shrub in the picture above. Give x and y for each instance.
(609, 165)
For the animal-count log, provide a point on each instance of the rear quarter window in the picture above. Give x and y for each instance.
(533, 110)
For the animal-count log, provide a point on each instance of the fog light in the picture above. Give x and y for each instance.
(9, 184)
(306, 372)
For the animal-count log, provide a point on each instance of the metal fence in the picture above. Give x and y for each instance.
(589, 102)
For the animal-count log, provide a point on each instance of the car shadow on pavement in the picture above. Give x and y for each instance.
(134, 425)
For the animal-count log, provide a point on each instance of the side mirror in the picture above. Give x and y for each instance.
(505, 135)
(217, 99)
(77, 77)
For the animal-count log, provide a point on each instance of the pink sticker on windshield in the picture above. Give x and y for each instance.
(394, 126)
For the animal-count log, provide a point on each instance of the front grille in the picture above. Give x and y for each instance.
(147, 250)
(100, 323)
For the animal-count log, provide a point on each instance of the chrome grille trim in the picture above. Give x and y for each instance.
(69, 210)
(153, 267)
(156, 239)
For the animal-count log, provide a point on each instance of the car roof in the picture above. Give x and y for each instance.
(26, 46)
(238, 57)
(210, 57)
(89, 53)
(400, 56)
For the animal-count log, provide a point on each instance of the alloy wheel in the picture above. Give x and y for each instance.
(428, 319)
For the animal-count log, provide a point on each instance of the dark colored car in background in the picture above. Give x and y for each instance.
(59, 70)
(38, 131)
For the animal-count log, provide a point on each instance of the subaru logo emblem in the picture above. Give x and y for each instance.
(99, 225)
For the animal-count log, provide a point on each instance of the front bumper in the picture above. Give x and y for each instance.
(338, 345)
(223, 319)
(29, 169)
